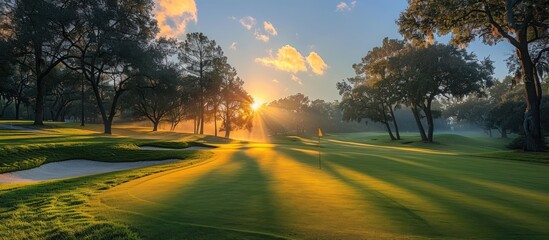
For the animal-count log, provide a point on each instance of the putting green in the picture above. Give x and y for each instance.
(364, 190)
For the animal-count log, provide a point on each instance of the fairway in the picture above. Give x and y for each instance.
(364, 190)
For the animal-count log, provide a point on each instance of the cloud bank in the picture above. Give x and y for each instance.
(289, 59)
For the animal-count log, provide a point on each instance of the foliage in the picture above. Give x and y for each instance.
(522, 23)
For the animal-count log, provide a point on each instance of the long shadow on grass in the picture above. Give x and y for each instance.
(401, 216)
(479, 210)
(232, 200)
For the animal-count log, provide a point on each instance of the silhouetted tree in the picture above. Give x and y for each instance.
(524, 24)
(197, 54)
(235, 107)
(36, 32)
(110, 47)
(425, 73)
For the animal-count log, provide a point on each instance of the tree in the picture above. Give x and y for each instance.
(473, 109)
(154, 96)
(361, 101)
(426, 73)
(61, 91)
(36, 32)
(374, 71)
(110, 48)
(235, 108)
(214, 90)
(522, 23)
(296, 105)
(506, 102)
(198, 53)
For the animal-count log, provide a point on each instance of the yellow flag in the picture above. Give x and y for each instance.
(319, 132)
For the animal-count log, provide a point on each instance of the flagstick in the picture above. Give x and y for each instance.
(319, 162)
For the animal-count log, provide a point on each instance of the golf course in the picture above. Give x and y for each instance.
(465, 186)
(280, 119)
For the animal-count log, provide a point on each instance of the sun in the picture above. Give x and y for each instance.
(256, 105)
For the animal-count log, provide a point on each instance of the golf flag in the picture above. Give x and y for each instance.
(319, 132)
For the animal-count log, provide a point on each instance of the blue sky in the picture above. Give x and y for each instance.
(340, 37)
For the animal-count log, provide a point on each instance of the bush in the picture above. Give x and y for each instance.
(517, 143)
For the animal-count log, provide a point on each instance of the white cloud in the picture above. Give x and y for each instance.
(287, 59)
(174, 15)
(247, 22)
(269, 28)
(276, 81)
(260, 36)
(233, 46)
(343, 6)
(316, 63)
(296, 79)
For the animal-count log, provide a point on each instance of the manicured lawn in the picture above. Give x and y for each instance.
(25, 149)
(368, 187)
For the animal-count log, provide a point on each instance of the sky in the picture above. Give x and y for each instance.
(284, 47)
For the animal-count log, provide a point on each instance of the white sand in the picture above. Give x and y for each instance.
(73, 168)
(161, 148)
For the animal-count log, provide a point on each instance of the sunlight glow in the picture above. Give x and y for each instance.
(256, 105)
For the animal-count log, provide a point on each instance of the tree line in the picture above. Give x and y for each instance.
(298, 114)
(524, 24)
(417, 72)
(105, 55)
(397, 75)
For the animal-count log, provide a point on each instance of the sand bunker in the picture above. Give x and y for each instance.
(189, 148)
(73, 168)
(14, 127)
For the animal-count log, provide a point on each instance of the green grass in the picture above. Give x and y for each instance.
(369, 187)
(57, 209)
(23, 150)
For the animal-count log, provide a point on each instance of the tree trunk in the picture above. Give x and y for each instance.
(394, 122)
(215, 122)
(107, 127)
(419, 124)
(389, 131)
(227, 124)
(106, 123)
(201, 115)
(83, 118)
(194, 125)
(155, 126)
(430, 124)
(40, 86)
(385, 120)
(503, 133)
(17, 108)
(532, 90)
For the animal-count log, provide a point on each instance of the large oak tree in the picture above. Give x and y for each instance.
(522, 23)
